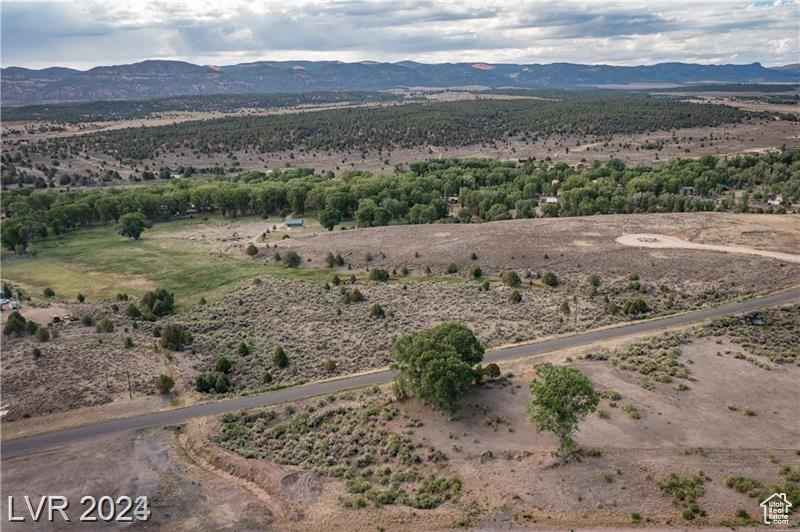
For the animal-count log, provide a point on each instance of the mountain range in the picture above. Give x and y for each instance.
(155, 78)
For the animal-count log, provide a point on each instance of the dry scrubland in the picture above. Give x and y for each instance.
(315, 327)
(700, 402)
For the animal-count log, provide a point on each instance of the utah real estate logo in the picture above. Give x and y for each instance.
(776, 509)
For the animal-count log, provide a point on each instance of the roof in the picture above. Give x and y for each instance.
(782, 496)
(293, 221)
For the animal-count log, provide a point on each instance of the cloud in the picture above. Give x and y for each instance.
(88, 33)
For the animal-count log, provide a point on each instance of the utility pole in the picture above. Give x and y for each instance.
(128, 374)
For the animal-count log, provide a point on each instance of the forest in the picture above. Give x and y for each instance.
(487, 190)
(104, 110)
(461, 123)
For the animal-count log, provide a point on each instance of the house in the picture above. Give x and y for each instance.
(688, 192)
(776, 509)
(547, 199)
(289, 223)
(452, 200)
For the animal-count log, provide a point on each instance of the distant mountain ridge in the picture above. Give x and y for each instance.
(156, 78)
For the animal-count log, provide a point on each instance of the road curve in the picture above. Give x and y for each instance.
(27, 445)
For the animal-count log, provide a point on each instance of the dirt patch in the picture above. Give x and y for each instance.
(663, 241)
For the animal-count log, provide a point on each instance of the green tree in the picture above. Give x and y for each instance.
(279, 357)
(377, 274)
(510, 278)
(105, 326)
(222, 365)
(550, 279)
(42, 334)
(15, 324)
(244, 349)
(330, 217)
(251, 250)
(291, 259)
(436, 365)
(132, 225)
(562, 396)
(636, 307)
(175, 338)
(164, 384)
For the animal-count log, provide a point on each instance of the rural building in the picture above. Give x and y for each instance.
(688, 192)
(452, 200)
(289, 223)
(548, 199)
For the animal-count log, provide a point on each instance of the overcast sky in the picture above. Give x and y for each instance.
(83, 34)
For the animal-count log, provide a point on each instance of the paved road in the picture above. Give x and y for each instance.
(31, 444)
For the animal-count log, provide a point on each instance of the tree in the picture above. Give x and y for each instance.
(280, 358)
(222, 365)
(81, 298)
(164, 384)
(251, 250)
(550, 279)
(132, 225)
(565, 307)
(133, 311)
(159, 302)
(48, 292)
(376, 311)
(377, 274)
(636, 307)
(452, 268)
(42, 334)
(292, 259)
(330, 217)
(105, 326)
(562, 396)
(436, 365)
(175, 338)
(510, 278)
(491, 371)
(15, 324)
(244, 349)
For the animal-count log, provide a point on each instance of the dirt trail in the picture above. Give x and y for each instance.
(647, 240)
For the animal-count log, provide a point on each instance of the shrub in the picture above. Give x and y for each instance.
(37, 353)
(452, 268)
(158, 303)
(491, 371)
(128, 343)
(104, 326)
(378, 274)
(485, 285)
(279, 357)
(48, 292)
(550, 279)
(329, 366)
(473, 256)
(510, 278)
(516, 297)
(81, 298)
(133, 311)
(42, 334)
(564, 307)
(475, 272)
(354, 296)
(376, 311)
(636, 307)
(15, 324)
(267, 378)
(222, 383)
(251, 250)
(292, 259)
(87, 320)
(244, 349)
(175, 338)
(222, 365)
(164, 384)
(594, 280)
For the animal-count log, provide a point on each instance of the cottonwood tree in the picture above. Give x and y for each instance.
(562, 396)
(132, 225)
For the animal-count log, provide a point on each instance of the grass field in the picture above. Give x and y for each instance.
(99, 264)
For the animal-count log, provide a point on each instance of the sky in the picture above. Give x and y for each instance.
(83, 34)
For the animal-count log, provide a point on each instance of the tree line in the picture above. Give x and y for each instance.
(486, 190)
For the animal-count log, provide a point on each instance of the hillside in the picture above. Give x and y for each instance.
(150, 79)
